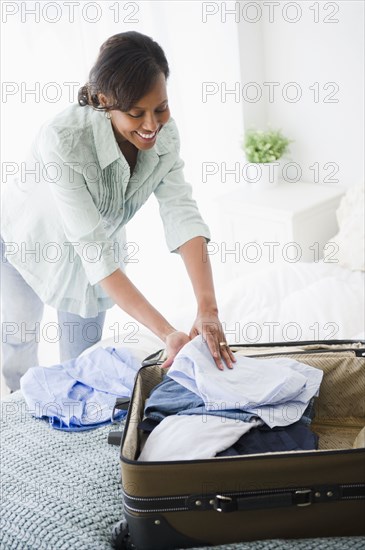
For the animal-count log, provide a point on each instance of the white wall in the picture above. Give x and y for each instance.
(305, 52)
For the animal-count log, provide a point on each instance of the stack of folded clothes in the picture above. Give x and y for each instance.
(198, 412)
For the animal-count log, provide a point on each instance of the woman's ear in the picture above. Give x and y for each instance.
(102, 100)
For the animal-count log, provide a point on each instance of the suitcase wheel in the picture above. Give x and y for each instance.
(121, 537)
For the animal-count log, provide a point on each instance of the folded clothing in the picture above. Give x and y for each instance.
(80, 394)
(171, 400)
(170, 397)
(296, 437)
(277, 390)
(193, 437)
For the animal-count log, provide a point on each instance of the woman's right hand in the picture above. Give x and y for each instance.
(174, 342)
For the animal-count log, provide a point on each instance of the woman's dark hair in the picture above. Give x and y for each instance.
(125, 70)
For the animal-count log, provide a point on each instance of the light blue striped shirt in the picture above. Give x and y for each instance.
(64, 214)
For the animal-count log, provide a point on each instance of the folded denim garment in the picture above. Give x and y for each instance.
(170, 397)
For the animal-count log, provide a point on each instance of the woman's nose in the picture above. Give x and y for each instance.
(150, 123)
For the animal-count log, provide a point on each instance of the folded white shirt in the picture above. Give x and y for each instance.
(277, 390)
(193, 437)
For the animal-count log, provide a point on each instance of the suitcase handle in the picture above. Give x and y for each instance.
(295, 497)
(299, 497)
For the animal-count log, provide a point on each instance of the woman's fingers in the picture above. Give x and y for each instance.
(227, 356)
(166, 364)
(220, 350)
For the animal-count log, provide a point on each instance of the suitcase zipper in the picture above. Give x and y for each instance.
(358, 352)
(155, 358)
(246, 500)
(150, 503)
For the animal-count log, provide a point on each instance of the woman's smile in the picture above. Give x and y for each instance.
(148, 137)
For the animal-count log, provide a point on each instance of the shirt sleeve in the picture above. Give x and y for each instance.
(81, 220)
(179, 212)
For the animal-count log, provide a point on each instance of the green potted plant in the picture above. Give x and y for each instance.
(263, 151)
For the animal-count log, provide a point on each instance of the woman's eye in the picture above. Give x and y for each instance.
(141, 114)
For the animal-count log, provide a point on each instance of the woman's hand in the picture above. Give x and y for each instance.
(209, 326)
(174, 342)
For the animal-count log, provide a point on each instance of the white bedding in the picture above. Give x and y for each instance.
(306, 301)
(290, 302)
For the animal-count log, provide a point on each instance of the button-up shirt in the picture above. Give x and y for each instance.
(64, 213)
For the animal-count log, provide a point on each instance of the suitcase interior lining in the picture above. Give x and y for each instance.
(339, 409)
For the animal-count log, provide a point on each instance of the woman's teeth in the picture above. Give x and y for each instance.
(147, 136)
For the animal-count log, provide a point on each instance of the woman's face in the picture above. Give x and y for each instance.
(141, 124)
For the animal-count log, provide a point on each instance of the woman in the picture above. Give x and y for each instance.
(91, 168)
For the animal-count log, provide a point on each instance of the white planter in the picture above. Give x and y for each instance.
(263, 175)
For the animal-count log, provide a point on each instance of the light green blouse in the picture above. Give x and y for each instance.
(64, 214)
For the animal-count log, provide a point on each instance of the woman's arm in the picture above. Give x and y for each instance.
(129, 298)
(196, 259)
(195, 256)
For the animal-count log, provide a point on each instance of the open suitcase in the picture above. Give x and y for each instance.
(297, 494)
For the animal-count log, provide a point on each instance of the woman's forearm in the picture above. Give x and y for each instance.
(129, 298)
(207, 323)
(195, 256)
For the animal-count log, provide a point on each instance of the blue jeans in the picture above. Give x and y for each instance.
(22, 312)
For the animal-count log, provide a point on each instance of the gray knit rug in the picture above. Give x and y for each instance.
(61, 491)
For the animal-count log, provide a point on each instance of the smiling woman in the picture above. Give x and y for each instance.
(138, 128)
(98, 162)
(133, 87)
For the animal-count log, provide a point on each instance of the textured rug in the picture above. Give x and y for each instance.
(61, 491)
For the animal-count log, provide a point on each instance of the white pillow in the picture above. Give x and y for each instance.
(350, 238)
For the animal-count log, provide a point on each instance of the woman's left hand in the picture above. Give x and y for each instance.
(209, 326)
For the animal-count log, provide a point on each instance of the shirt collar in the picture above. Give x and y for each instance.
(107, 148)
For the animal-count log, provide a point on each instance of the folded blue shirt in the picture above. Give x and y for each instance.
(80, 394)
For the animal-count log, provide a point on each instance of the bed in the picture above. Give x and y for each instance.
(61, 491)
